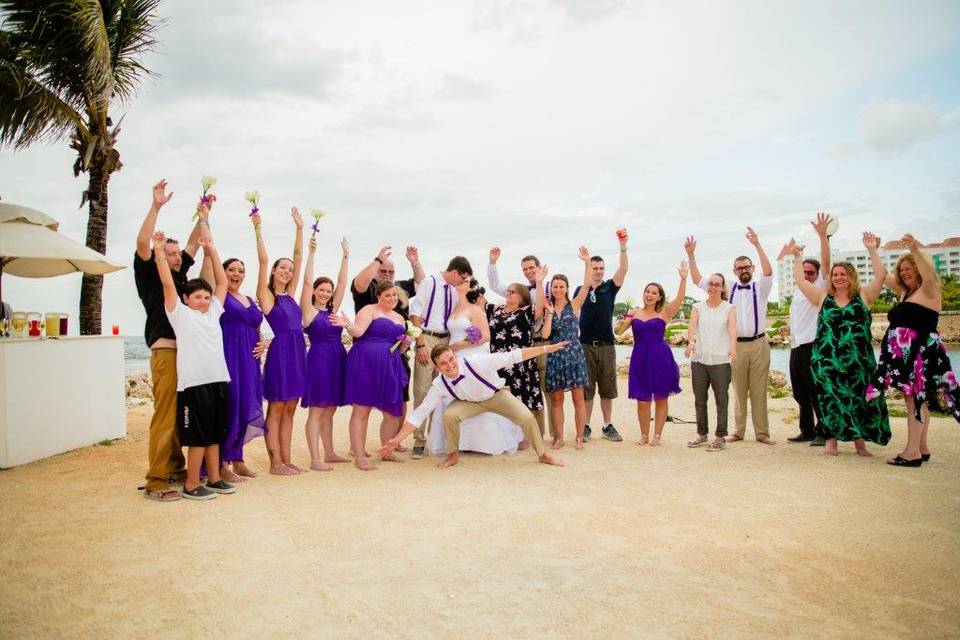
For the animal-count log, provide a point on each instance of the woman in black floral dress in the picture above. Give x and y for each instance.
(514, 325)
(912, 357)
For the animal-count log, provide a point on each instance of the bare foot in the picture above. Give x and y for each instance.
(655, 442)
(449, 461)
(391, 457)
(229, 476)
(320, 465)
(335, 458)
(243, 470)
(643, 440)
(401, 449)
(558, 443)
(830, 449)
(578, 444)
(282, 470)
(295, 468)
(523, 445)
(863, 453)
(549, 459)
(364, 464)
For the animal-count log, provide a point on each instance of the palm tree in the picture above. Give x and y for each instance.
(63, 63)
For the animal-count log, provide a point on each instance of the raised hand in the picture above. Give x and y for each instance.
(297, 219)
(821, 223)
(312, 244)
(690, 246)
(870, 241)
(683, 269)
(384, 254)
(623, 237)
(541, 275)
(752, 237)
(255, 219)
(159, 239)
(494, 255)
(413, 255)
(584, 254)
(787, 249)
(161, 198)
(345, 247)
(910, 241)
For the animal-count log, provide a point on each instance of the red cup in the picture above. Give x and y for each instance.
(116, 329)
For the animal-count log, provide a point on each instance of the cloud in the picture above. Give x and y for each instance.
(891, 127)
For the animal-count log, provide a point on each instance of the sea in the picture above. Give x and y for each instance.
(137, 356)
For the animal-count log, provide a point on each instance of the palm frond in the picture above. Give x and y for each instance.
(30, 112)
(132, 25)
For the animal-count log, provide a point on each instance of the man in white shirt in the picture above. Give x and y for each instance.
(803, 331)
(475, 387)
(431, 310)
(752, 364)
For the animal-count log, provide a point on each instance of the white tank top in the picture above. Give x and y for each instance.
(713, 341)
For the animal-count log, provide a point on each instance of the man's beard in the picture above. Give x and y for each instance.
(745, 277)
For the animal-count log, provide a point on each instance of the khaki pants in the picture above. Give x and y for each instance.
(423, 376)
(547, 398)
(750, 370)
(163, 451)
(503, 403)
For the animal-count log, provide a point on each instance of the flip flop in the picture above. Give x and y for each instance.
(162, 495)
(903, 462)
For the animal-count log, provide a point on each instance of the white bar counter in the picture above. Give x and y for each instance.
(59, 394)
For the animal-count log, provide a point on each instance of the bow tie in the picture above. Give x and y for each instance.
(531, 286)
(743, 286)
(457, 379)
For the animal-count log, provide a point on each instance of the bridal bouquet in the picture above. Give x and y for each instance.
(404, 339)
(473, 335)
(317, 215)
(253, 197)
(207, 182)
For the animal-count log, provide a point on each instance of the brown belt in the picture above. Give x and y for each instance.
(435, 334)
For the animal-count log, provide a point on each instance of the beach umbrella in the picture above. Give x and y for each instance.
(31, 247)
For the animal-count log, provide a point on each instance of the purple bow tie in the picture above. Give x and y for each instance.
(457, 379)
(743, 286)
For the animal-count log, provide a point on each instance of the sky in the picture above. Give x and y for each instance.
(533, 125)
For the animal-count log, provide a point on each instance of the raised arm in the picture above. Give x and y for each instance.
(211, 254)
(413, 257)
(931, 279)
(581, 296)
(170, 296)
(547, 327)
(342, 277)
(493, 275)
(872, 289)
(297, 252)
(765, 267)
(160, 198)
(307, 310)
(361, 282)
(201, 227)
(264, 295)
(621, 273)
(673, 306)
(810, 291)
(690, 246)
(820, 227)
(542, 271)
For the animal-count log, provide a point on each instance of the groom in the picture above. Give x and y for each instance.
(475, 387)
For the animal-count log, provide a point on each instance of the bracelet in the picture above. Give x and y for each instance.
(160, 258)
(377, 258)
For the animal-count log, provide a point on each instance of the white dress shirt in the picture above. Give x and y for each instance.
(803, 316)
(478, 381)
(434, 303)
(751, 302)
(493, 277)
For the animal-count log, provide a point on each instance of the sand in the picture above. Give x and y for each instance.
(627, 541)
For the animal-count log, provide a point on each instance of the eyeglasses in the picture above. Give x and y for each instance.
(714, 284)
(809, 273)
(511, 291)
(743, 268)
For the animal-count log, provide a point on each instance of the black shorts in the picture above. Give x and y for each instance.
(202, 414)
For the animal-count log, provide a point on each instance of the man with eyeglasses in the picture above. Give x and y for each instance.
(596, 337)
(364, 285)
(803, 331)
(751, 367)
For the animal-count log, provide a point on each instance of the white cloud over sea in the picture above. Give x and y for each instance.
(532, 124)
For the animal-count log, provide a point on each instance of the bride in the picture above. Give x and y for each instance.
(469, 335)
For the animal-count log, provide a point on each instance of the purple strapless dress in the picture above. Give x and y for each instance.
(284, 374)
(654, 373)
(375, 376)
(326, 360)
(241, 331)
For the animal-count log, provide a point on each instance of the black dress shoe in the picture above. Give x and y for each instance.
(819, 441)
(800, 437)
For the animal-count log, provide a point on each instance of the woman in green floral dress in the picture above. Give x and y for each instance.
(842, 360)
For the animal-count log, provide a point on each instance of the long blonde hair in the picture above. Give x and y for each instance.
(852, 275)
(911, 258)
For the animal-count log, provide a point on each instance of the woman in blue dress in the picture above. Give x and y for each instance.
(567, 369)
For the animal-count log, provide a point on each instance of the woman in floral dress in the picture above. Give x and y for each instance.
(912, 357)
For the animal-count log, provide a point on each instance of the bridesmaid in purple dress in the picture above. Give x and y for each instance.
(654, 375)
(375, 375)
(242, 348)
(284, 373)
(326, 359)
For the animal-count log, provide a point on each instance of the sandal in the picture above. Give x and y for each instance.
(696, 442)
(162, 495)
(718, 444)
(903, 462)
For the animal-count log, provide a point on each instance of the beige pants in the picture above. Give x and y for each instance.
(163, 449)
(503, 403)
(423, 376)
(547, 398)
(750, 370)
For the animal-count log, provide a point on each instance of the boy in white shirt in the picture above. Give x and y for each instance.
(202, 374)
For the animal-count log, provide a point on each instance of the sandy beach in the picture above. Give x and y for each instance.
(626, 541)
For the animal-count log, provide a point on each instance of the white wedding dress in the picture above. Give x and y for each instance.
(485, 433)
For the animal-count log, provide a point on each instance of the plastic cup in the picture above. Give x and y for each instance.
(52, 323)
(64, 324)
(116, 329)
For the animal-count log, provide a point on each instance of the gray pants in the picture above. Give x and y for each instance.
(703, 377)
